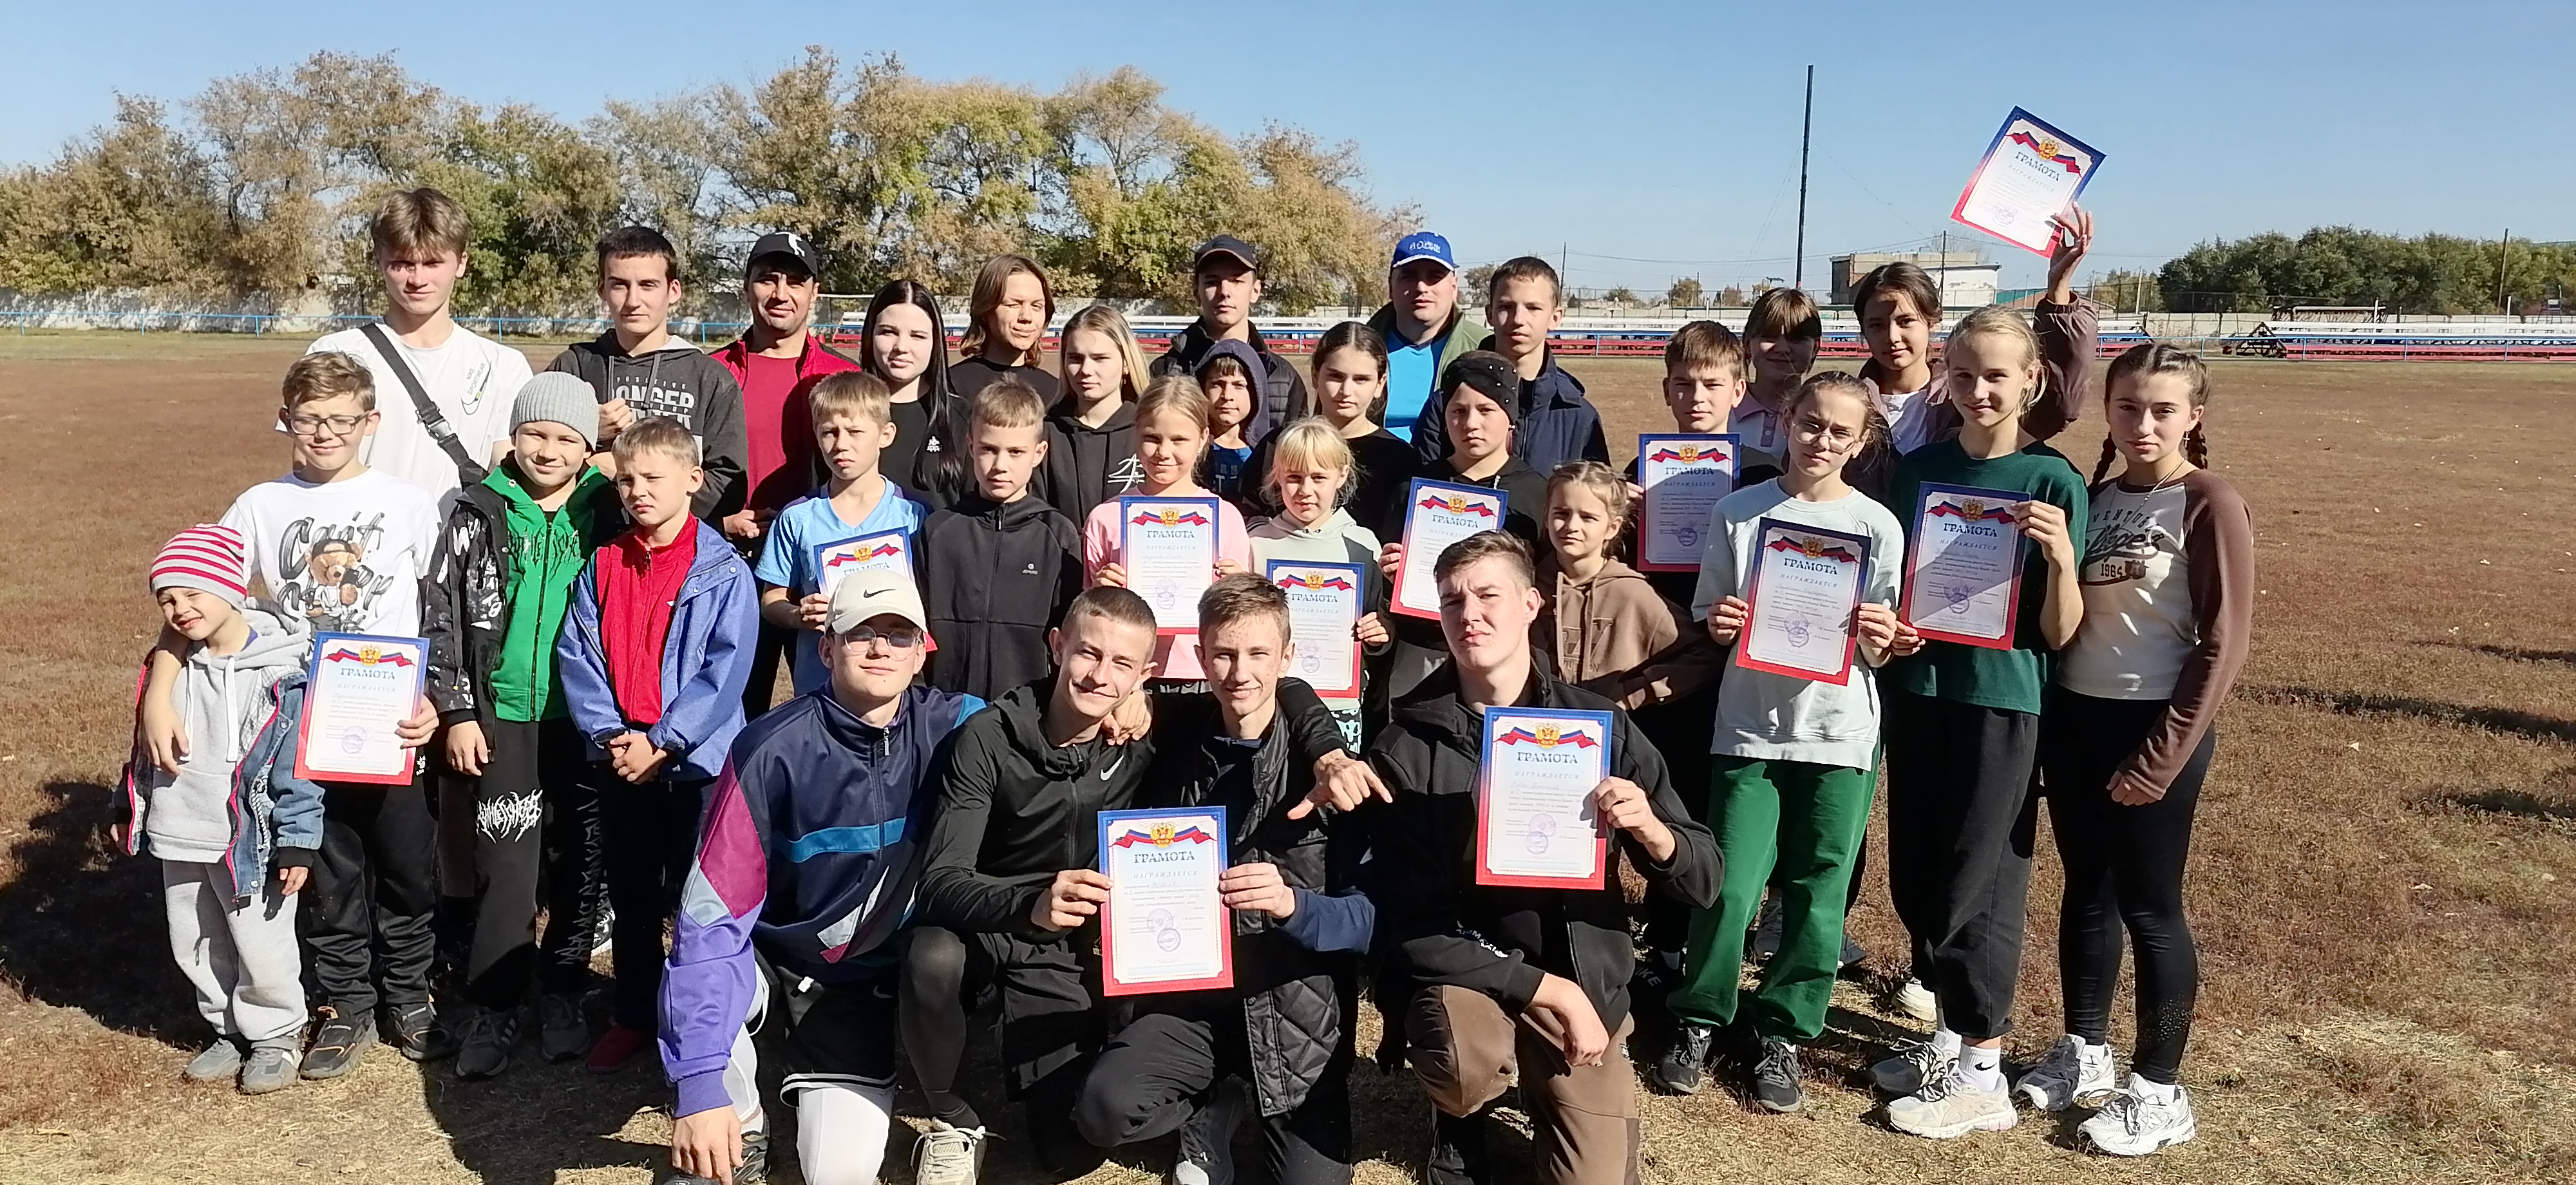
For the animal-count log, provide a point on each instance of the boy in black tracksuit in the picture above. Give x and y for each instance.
(639, 364)
(999, 566)
(1007, 881)
(1300, 923)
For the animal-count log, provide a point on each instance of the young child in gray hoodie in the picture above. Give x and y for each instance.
(233, 811)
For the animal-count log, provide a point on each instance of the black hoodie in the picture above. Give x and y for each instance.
(686, 384)
(1283, 391)
(995, 576)
(1086, 466)
(1441, 927)
(1014, 809)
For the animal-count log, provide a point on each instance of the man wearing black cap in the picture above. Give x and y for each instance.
(776, 360)
(1226, 275)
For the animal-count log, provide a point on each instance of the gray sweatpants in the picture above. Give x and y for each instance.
(240, 955)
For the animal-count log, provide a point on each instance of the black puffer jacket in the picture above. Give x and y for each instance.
(995, 576)
(1289, 997)
(1438, 926)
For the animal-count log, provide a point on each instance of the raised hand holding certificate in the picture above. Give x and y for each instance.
(1536, 824)
(1806, 584)
(1437, 514)
(839, 558)
(1963, 566)
(1164, 927)
(1168, 547)
(1323, 613)
(357, 687)
(1684, 475)
(2031, 172)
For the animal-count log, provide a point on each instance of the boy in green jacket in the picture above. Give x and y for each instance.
(494, 600)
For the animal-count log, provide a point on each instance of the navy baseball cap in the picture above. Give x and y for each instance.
(1229, 245)
(787, 243)
(1423, 244)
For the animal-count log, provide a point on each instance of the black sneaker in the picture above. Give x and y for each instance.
(1853, 955)
(563, 1032)
(1678, 1070)
(338, 1042)
(1457, 1152)
(417, 1033)
(1775, 1078)
(1764, 942)
(488, 1035)
(754, 1170)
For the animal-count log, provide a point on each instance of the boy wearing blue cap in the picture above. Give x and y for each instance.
(1424, 328)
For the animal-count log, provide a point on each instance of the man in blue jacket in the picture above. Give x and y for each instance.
(805, 868)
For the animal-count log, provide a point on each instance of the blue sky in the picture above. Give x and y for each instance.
(1643, 141)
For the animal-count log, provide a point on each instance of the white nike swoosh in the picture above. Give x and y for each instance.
(1114, 763)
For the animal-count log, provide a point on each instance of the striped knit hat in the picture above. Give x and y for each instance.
(207, 557)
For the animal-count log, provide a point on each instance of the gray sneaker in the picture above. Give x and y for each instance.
(488, 1035)
(272, 1067)
(1911, 1068)
(1776, 1085)
(2074, 1073)
(218, 1063)
(563, 1033)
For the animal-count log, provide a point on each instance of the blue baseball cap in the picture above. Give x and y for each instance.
(1423, 244)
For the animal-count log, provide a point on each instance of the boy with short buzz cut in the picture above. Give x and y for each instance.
(999, 565)
(853, 424)
(1301, 922)
(495, 601)
(445, 409)
(653, 656)
(1524, 303)
(232, 811)
(639, 370)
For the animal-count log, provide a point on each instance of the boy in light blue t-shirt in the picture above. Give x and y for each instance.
(852, 426)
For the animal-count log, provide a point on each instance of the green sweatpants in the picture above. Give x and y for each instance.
(1809, 819)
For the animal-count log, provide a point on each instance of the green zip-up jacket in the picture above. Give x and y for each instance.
(497, 592)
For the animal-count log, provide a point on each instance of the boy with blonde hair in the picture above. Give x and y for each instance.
(999, 566)
(653, 657)
(853, 425)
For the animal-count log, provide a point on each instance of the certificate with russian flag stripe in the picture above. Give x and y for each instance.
(1437, 514)
(1324, 606)
(2031, 173)
(357, 689)
(1168, 547)
(1798, 607)
(840, 557)
(1963, 566)
(1684, 476)
(1536, 823)
(1165, 927)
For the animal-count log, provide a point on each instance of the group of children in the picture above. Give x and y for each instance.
(606, 590)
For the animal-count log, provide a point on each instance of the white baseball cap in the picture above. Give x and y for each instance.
(874, 592)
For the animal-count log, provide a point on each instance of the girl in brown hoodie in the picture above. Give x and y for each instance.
(1604, 626)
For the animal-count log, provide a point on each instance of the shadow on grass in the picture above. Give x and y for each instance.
(2505, 721)
(81, 925)
(2513, 653)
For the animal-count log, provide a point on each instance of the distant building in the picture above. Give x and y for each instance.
(1966, 280)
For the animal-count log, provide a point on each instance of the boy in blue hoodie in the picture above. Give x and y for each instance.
(492, 607)
(232, 810)
(805, 870)
(654, 656)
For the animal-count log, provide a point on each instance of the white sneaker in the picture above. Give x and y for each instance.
(1913, 1066)
(2075, 1071)
(948, 1155)
(1207, 1140)
(1948, 1107)
(2136, 1121)
(1917, 1001)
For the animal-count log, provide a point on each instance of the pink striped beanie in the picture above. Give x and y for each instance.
(207, 557)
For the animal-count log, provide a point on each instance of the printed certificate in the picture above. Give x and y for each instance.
(1324, 607)
(1684, 475)
(1807, 581)
(1437, 514)
(357, 688)
(1168, 547)
(1164, 928)
(839, 558)
(1963, 566)
(2031, 173)
(1536, 824)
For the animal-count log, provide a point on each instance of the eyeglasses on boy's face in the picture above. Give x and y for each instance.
(899, 637)
(314, 425)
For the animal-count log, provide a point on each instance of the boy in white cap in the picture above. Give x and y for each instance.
(804, 871)
(232, 810)
(492, 605)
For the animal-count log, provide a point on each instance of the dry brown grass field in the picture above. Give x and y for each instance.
(2384, 885)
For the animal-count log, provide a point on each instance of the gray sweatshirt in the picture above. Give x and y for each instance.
(223, 700)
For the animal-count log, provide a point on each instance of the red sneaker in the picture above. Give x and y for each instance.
(615, 1048)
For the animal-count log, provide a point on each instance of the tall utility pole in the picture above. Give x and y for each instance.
(1806, 136)
(2504, 251)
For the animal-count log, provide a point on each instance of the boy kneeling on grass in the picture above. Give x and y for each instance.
(232, 810)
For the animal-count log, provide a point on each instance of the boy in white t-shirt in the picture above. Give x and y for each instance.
(340, 548)
(419, 249)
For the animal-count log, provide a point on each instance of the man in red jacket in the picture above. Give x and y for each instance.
(776, 360)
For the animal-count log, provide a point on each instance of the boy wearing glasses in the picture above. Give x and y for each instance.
(654, 654)
(805, 868)
(337, 546)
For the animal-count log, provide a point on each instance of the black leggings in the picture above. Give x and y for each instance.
(2124, 866)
